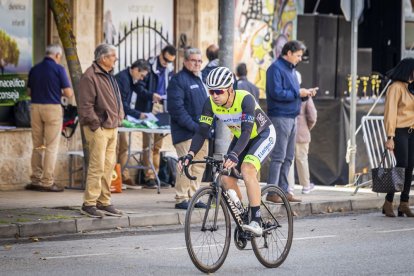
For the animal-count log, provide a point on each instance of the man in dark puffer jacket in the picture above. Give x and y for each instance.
(186, 97)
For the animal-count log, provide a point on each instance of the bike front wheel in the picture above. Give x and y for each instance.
(207, 230)
(272, 248)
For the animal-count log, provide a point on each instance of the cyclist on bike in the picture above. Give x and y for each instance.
(254, 137)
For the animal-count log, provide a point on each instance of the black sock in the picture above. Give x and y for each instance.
(255, 212)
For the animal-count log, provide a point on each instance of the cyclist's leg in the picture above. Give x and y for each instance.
(230, 182)
(260, 148)
(249, 173)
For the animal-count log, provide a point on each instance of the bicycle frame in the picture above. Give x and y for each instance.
(219, 192)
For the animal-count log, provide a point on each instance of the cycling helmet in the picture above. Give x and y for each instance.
(219, 78)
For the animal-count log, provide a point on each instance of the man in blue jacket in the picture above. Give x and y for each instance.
(131, 93)
(186, 97)
(284, 97)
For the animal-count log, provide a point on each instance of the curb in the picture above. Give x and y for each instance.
(79, 225)
(72, 226)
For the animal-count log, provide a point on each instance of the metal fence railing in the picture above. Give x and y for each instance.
(140, 39)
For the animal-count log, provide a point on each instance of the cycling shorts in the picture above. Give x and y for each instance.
(258, 149)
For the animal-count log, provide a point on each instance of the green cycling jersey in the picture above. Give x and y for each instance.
(245, 119)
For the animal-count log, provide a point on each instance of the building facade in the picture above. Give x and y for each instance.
(194, 23)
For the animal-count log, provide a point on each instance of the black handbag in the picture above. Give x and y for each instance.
(387, 180)
(21, 112)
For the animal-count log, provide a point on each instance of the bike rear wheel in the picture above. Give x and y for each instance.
(207, 245)
(272, 248)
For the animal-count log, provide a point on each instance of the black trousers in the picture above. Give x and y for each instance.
(404, 155)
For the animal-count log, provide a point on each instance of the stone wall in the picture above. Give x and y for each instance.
(16, 148)
(198, 21)
(16, 153)
(207, 31)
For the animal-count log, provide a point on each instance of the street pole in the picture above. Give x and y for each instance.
(226, 37)
(354, 47)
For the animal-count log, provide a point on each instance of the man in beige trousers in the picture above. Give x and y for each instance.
(100, 113)
(47, 82)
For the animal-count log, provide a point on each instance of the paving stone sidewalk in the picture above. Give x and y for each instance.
(32, 214)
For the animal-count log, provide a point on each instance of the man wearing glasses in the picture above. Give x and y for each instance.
(156, 82)
(253, 141)
(186, 97)
(100, 113)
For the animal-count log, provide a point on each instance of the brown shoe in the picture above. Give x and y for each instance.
(404, 209)
(33, 187)
(388, 209)
(53, 188)
(40, 188)
(129, 182)
(109, 210)
(274, 198)
(291, 198)
(91, 211)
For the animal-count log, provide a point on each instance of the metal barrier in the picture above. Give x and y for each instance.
(374, 136)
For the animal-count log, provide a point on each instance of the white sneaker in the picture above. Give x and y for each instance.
(308, 189)
(253, 228)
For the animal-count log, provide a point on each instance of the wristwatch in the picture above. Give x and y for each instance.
(390, 137)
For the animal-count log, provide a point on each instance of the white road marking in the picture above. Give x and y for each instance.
(397, 230)
(315, 237)
(295, 239)
(77, 256)
(199, 246)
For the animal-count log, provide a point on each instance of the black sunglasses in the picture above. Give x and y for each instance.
(167, 60)
(217, 91)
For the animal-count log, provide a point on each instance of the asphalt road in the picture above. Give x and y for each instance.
(365, 244)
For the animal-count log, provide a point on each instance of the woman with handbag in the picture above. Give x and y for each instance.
(399, 126)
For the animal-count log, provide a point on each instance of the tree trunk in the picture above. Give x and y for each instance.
(226, 37)
(62, 18)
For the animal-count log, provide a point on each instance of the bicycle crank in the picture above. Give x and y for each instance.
(239, 240)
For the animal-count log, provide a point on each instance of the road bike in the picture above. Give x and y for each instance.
(208, 230)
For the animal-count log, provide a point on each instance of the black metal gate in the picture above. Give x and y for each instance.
(140, 40)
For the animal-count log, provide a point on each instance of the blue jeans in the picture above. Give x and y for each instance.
(283, 152)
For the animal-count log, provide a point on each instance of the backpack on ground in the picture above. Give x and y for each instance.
(168, 169)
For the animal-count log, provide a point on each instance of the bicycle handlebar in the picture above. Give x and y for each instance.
(210, 160)
(188, 174)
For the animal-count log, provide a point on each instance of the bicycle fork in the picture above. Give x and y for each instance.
(217, 203)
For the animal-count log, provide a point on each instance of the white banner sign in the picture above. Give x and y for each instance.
(16, 35)
(15, 49)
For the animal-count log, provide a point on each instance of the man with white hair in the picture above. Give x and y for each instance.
(46, 84)
(100, 113)
(186, 97)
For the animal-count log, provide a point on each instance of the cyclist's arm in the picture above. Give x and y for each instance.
(247, 122)
(206, 120)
